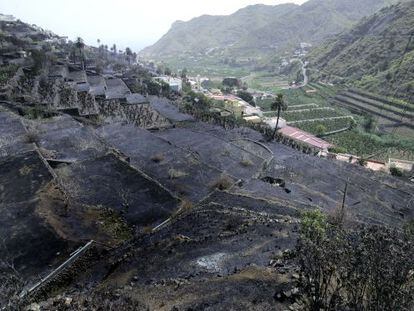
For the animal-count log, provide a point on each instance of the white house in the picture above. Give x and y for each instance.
(7, 18)
(272, 122)
(176, 84)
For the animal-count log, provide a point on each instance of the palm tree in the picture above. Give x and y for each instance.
(80, 45)
(128, 53)
(278, 105)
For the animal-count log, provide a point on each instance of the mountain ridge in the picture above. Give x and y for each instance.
(261, 29)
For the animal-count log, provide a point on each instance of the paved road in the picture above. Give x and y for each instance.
(304, 73)
(305, 76)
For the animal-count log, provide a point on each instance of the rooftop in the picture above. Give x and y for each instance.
(305, 137)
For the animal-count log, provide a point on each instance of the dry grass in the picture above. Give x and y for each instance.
(246, 162)
(25, 170)
(186, 205)
(147, 229)
(174, 174)
(157, 158)
(224, 182)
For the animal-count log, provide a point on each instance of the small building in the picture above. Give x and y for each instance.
(176, 84)
(271, 121)
(7, 18)
(403, 165)
(304, 137)
(235, 107)
(253, 119)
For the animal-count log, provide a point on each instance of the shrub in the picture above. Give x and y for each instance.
(337, 150)
(395, 171)
(174, 174)
(31, 137)
(362, 162)
(320, 129)
(224, 182)
(246, 162)
(157, 158)
(370, 268)
(185, 205)
(313, 223)
(246, 96)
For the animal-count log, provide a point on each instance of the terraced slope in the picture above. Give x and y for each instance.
(89, 193)
(224, 240)
(389, 114)
(376, 54)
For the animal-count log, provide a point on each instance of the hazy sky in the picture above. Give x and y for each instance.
(133, 23)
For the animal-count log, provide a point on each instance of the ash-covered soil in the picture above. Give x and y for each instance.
(232, 202)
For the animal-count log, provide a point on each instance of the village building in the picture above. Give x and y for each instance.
(304, 137)
(253, 119)
(7, 18)
(271, 121)
(176, 84)
(403, 165)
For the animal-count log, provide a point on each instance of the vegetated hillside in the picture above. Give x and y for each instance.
(378, 53)
(259, 29)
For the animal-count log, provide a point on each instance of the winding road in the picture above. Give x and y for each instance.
(304, 73)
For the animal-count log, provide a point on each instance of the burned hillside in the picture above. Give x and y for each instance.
(183, 214)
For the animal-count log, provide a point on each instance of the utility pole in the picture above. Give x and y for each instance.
(344, 198)
(342, 213)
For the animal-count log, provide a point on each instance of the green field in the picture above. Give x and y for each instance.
(303, 105)
(265, 82)
(357, 141)
(382, 147)
(208, 67)
(391, 115)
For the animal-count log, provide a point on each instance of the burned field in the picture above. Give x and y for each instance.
(228, 204)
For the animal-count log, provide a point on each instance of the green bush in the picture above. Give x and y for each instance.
(320, 129)
(395, 171)
(367, 268)
(337, 150)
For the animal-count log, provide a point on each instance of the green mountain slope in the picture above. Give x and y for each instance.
(377, 54)
(261, 29)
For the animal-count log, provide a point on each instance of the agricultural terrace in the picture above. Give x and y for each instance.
(367, 125)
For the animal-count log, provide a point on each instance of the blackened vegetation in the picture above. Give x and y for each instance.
(367, 268)
(98, 300)
(11, 281)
